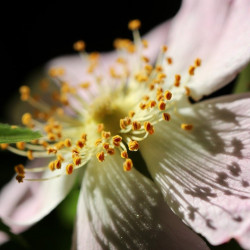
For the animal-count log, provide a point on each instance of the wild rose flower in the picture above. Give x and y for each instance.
(133, 100)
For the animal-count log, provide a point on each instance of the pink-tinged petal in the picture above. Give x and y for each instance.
(124, 210)
(23, 204)
(218, 32)
(3, 237)
(204, 173)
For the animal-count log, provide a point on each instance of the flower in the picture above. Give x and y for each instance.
(197, 154)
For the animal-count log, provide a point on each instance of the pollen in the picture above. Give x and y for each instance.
(69, 169)
(116, 140)
(162, 105)
(58, 164)
(105, 134)
(80, 143)
(127, 165)
(134, 24)
(77, 160)
(19, 169)
(100, 156)
(186, 126)
(167, 95)
(136, 125)
(166, 116)
(149, 127)
(133, 145)
(124, 154)
(79, 46)
(20, 145)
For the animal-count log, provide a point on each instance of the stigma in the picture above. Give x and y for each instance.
(115, 119)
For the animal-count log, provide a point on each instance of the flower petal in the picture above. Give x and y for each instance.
(204, 174)
(124, 210)
(218, 32)
(23, 204)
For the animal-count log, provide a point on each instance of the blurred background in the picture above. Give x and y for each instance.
(31, 35)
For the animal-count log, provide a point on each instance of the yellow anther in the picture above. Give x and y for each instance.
(85, 85)
(51, 137)
(162, 105)
(58, 164)
(79, 45)
(20, 145)
(197, 62)
(151, 86)
(142, 106)
(123, 124)
(166, 116)
(149, 127)
(100, 156)
(106, 134)
(145, 59)
(67, 143)
(121, 60)
(98, 141)
(105, 145)
(19, 169)
(52, 166)
(116, 140)
(127, 165)
(161, 76)
(160, 97)
(191, 70)
(131, 48)
(51, 150)
(134, 24)
(60, 157)
(177, 80)
(186, 126)
(4, 145)
(59, 145)
(133, 145)
(145, 98)
(69, 168)
(167, 95)
(80, 143)
(141, 77)
(113, 73)
(136, 125)
(151, 104)
(187, 90)
(75, 152)
(20, 178)
(148, 68)
(169, 60)
(30, 155)
(77, 160)
(56, 72)
(25, 92)
(111, 151)
(158, 68)
(164, 48)
(131, 114)
(64, 100)
(124, 154)
(27, 119)
(145, 43)
(84, 136)
(100, 127)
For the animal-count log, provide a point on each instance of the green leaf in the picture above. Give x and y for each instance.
(243, 83)
(9, 134)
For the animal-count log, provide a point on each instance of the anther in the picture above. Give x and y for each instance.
(166, 116)
(110, 151)
(186, 126)
(4, 146)
(116, 140)
(20, 145)
(80, 143)
(134, 24)
(100, 156)
(191, 70)
(67, 143)
(106, 134)
(69, 168)
(169, 60)
(100, 127)
(167, 95)
(58, 164)
(131, 114)
(30, 155)
(19, 169)
(77, 160)
(149, 127)
(27, 119)
(79, 46)
(105, 145)
(133, 145)
(136, 125)
(52, 166)
(51, 150)
(25, 92)
(197, 62)
(124, 154)
(162, 105)
(164, 48)
(127, 165)
(151, 104)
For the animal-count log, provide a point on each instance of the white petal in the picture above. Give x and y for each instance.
(124, 210)
(23, 204)
(218, 32)
(204, 174)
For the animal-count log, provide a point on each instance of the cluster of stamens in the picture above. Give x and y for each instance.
(151, 98)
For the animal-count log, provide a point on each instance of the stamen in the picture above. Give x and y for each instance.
(134, 24)
(149, 127)
(69, 169)
(124, 154)
(100, 156)
(186, 126)
(79, 46)
(166, 116)
(20, 145)
(127, 165)
(116, 140)
(133, 145)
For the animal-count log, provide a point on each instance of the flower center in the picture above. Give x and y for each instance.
(118, 116)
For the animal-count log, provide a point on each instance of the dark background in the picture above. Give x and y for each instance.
(33, 34)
